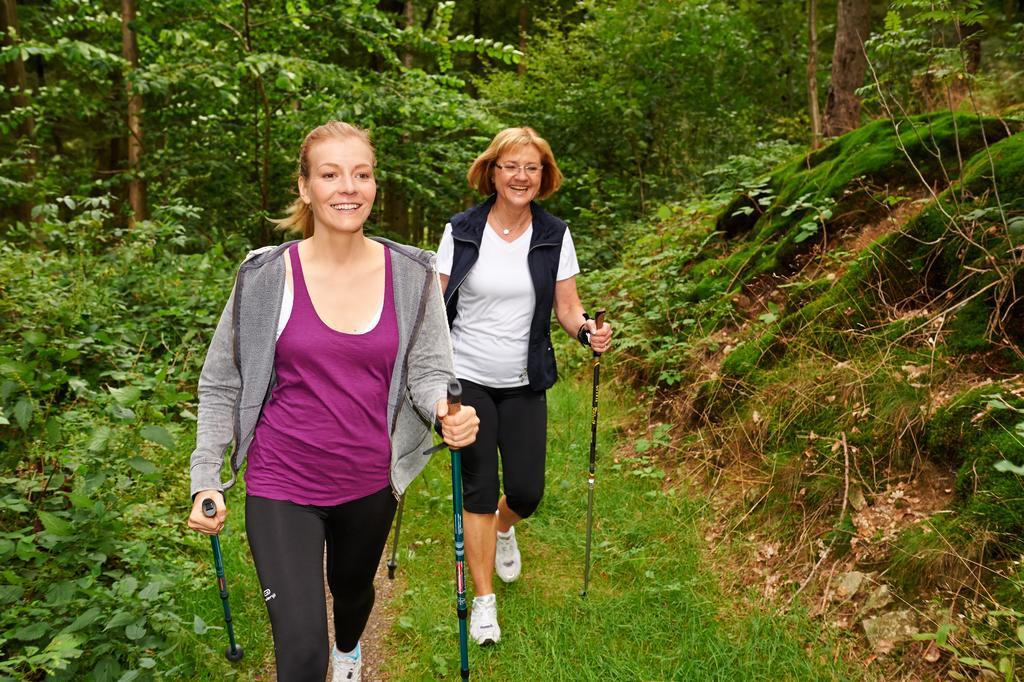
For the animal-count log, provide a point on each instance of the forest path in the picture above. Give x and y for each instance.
(372, 643)
(662, 603)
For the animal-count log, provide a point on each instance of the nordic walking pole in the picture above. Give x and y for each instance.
(234, 652)
(393, 563)
(598, 320)
(454, 403)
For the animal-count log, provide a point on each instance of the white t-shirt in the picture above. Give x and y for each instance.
(491, 332)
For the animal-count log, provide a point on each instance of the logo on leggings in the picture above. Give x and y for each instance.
(268, 595)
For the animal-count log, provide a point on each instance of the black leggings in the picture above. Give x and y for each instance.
(287, 542)
(513, 421)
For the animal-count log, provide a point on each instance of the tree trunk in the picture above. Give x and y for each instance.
(130, 51)
(970, 52)
(812, 72)
(410, 17)
(524, 22)
(14, 82)
(971, 47)
(396, 210)
(261, 109)
(849, 64)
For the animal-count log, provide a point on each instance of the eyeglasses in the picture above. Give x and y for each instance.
(514, 168)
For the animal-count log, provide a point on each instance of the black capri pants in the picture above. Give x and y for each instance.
(287, 542)
(513, 423)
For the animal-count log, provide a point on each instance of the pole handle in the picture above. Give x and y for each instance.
(598, 322)
(454, 396)
(209, 508)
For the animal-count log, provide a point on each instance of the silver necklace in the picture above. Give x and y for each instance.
(508, 230)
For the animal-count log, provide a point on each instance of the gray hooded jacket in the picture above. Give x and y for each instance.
(238, 373)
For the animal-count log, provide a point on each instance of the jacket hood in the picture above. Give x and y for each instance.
(257, 258)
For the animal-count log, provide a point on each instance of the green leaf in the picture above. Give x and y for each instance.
(28, 633)
(976, 662)
(10, 593)
(52, 431)
(664, 213)
(134, 631)
(98, 439)
(1005, 465)
(120, 618)
(84, 620)
(199, 626)
(35, 338)
(80, 500)
(106, 670)
(23, 412)
(942, 634)
(1020, 633)
(150, 591)
(147, 663)
(141, 464)
(126, 586)
(55, 524)
(1015, 228)
(66, 645)
(642, 445)
(159, 435)
(60, 593)
(127, 395)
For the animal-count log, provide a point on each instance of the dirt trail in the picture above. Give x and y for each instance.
(372, 642)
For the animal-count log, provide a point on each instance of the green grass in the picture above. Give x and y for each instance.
(655, 609)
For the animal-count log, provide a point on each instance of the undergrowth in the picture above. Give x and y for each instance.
(99, 359)
(841, 323)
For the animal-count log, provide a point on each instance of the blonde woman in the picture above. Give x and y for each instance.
(505, 264)
(328, 366)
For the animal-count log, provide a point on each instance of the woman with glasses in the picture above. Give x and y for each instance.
(504, 265)
(329, 364)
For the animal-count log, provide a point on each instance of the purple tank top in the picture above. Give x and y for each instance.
(322, 438)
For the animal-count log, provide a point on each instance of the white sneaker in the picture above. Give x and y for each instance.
(483, 621)
(347, 667)
(507, 562)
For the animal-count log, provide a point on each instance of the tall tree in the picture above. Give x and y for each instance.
(524, 22)
(812, 72)
(849, 64)
(14, 82)
(130, 52)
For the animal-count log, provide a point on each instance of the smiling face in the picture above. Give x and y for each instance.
(341, 188)
(516, 187)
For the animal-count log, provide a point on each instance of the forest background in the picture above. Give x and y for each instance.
(731, 169)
